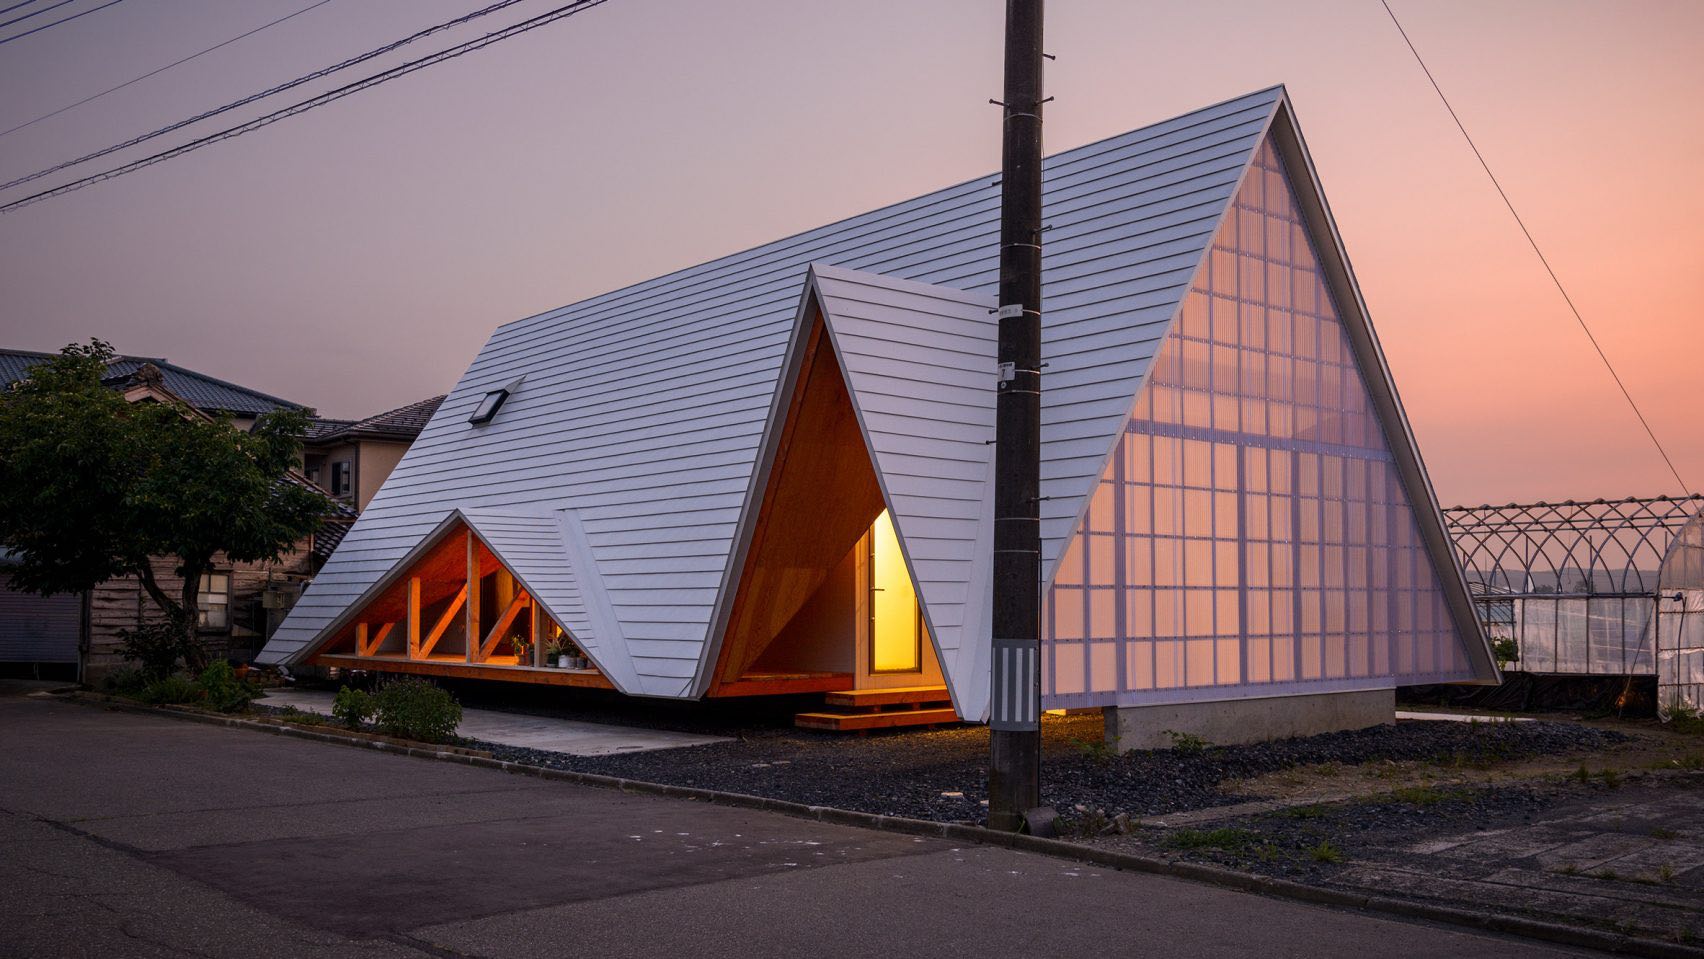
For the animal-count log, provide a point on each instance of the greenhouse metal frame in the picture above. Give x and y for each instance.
(1604, 588)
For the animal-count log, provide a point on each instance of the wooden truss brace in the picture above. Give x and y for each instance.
(489, 645)
(370, 647)
(443, 623)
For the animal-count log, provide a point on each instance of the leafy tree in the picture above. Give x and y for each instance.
(92, 487)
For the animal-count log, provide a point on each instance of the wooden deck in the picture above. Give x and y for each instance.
(461, 669)
(773, 684)
(858, 710)
(859, 722)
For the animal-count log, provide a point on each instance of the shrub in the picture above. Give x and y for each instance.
(416, 709)
(352, 707)
(158, 646)
(1505, 651)
(222, 690)
(170, 690)
(1187, 744)
(297, 716)
(123, 681)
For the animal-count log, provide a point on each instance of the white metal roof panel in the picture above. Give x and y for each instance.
(651, 401)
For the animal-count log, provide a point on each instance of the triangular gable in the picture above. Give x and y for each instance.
(1265, 441)
(534, 549)
(919, 363)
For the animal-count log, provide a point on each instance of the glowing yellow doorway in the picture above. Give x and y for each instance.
(896, 623)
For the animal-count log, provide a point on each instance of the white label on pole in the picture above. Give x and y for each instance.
(1011, 311)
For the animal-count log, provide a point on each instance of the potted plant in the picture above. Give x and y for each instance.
(577, 658)
(556, 652)
(522, 646)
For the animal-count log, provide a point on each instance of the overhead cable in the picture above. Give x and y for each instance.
(1541, 257)
(316, 101)
(174, 63)
(50, 26)
(270, 91)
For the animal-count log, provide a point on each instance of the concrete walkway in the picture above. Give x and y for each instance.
(140, 836)
(527, 732)
(1411, 714)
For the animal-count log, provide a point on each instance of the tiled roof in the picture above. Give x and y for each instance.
(404, 422)
(199, 390)
(321, 428)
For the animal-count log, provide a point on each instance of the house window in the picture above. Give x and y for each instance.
(215, 601)
(489, 406)
(341, 478)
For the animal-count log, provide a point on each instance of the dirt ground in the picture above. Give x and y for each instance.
(1651, 747)
(1611, 837)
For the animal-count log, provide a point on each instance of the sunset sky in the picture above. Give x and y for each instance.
(356, 257)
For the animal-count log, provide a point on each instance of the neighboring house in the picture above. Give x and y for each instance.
(772, 473)
(205, 393)
(352, 458)
(242, 603)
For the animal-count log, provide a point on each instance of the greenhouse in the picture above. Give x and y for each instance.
(1606, 588)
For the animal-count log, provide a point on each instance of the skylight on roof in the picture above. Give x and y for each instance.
(488, 407)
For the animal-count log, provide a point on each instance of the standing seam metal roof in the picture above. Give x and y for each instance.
(642, 411)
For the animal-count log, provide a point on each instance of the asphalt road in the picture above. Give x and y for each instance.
(132, 836)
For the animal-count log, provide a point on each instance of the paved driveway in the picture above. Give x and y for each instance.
(127, 835)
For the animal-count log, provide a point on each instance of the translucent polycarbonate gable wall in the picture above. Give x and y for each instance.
(1250, 536)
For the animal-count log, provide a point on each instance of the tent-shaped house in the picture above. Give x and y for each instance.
(772, 473)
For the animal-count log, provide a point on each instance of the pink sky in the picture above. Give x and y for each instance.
(355, 258)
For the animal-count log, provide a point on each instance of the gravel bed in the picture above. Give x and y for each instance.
(941, 774)
(1310, 843)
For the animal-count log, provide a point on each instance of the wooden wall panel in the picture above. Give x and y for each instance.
(820, 498)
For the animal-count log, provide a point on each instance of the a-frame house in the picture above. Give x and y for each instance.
(772, 472)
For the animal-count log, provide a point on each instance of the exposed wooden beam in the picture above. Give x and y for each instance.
(413, 614)
(489, 645)
(443, 623)
(473, 590)
(365, 646)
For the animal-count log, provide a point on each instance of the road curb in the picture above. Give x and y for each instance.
(1577, 936)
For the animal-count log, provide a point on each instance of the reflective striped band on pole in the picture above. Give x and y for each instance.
(1017, 685)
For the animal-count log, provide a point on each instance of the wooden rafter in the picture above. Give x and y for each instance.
(489, 645)
(443, 623)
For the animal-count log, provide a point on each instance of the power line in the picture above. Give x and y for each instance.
(50, 26)
(1541, 257)
(270, 91)
(32, 13)
(97, 96)
(6, 10)
(320, 100)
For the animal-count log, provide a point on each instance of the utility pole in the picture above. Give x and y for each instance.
(1014, 771)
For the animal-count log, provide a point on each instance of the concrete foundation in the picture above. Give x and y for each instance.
(1235, 722)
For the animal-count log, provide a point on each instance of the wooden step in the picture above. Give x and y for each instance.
(893, 696)
(847, 722)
